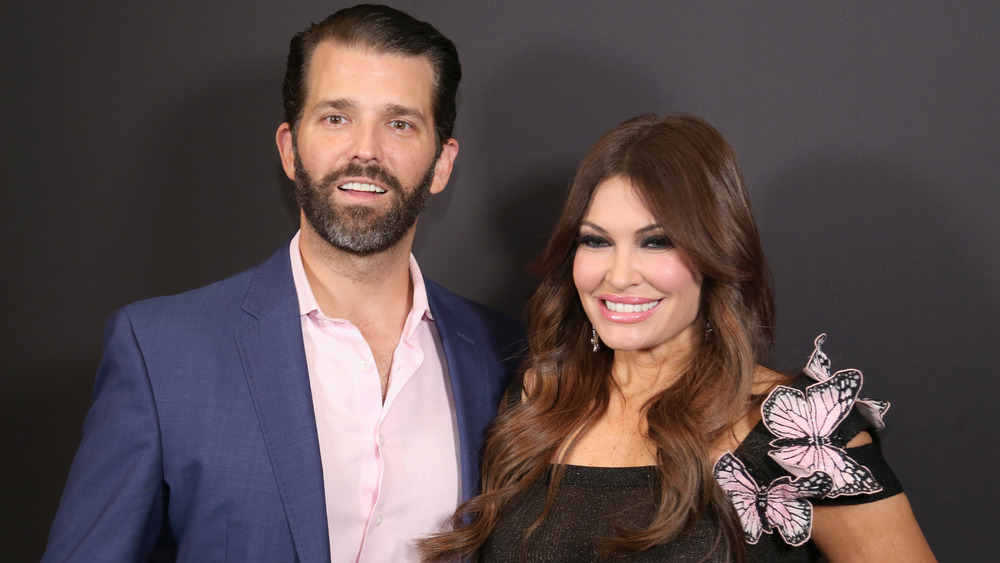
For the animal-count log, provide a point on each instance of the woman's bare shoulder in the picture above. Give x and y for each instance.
(766, 379)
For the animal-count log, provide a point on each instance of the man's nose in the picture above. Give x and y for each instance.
(367, 142)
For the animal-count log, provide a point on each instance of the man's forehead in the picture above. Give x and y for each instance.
(330, 48)
(332, 60)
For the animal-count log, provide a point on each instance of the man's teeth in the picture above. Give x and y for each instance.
(359, 187)
(628, 308)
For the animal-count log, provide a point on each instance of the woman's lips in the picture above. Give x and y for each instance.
(627, 310)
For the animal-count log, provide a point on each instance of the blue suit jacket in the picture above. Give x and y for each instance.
(201, 442)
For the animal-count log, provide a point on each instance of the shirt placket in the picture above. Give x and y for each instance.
(375, 515)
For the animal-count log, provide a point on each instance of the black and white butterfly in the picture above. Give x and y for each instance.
(782, 505)
(818, 368)
(803, 423)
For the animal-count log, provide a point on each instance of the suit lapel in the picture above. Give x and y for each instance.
(275, 367)
(469, 387)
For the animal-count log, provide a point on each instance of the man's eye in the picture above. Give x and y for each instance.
(656, 242)
(335, 119)
(592, 241)
(399, 124)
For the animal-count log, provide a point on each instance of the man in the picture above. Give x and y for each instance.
(330, 403)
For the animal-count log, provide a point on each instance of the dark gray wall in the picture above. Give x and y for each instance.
(138, 159)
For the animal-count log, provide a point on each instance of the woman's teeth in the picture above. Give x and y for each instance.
(629, 308)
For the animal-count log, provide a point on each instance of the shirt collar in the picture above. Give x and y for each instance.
(307, 299)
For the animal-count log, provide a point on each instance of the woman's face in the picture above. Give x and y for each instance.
(637, 289)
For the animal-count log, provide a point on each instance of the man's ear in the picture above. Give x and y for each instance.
(286, 148)
(445, 162)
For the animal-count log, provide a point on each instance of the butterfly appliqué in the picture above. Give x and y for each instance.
(818, 368)
(803, 423)
(782, 505)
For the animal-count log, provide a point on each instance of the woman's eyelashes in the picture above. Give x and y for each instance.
(653, 242)
(656, 242)
(592, 241)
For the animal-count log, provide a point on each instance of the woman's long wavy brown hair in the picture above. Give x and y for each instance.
(689, 179)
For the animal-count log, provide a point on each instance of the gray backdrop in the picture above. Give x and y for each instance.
(138, 160)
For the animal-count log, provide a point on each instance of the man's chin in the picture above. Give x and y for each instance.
(360, 247)
(358, 236)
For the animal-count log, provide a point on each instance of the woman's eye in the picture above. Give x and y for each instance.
(656, 242)
(592, 241)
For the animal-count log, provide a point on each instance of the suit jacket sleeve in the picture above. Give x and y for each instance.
(112, 506)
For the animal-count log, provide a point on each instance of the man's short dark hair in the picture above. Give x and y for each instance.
(384, 30)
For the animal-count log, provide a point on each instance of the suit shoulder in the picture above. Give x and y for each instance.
(474, 314)
(208, 301)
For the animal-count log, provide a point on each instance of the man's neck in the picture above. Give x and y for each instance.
(369, 290)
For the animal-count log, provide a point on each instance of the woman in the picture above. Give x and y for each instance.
(636, 432)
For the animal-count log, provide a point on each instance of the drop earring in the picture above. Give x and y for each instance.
(708, 327)
(594, 339)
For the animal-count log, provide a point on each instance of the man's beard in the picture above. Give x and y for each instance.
(360, 229)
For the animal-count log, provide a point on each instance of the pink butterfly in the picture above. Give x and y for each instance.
(803, 423)
(780, 505)
(818, 368)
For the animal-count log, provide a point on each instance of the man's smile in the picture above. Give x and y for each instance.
(360, 187)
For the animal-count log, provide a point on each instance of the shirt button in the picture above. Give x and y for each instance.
(381, 440)
(378, 519)
(363, 366)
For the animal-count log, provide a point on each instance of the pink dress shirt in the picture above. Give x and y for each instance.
(390, 470)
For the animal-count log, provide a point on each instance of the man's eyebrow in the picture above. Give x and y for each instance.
(337, 104)
(404, 111)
